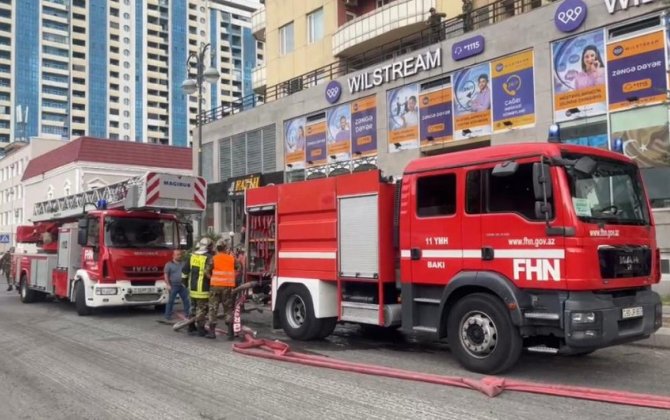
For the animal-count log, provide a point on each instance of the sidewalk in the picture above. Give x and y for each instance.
(662, 337)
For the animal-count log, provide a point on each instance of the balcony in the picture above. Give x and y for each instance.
(388, 23)
(258, 80)
(258, 24)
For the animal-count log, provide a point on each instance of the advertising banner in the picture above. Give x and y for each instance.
(649, 147)
(436, 116)
(579, 72)
(294, 143)
(513, 87)
(364, 124)
(637, 71)
(339, 132)
(403, 118)
(315, 144)
(472, 108)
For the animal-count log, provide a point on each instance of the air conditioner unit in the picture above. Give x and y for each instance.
(351, 3)
(294, 85)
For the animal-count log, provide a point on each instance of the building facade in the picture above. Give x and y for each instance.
(114, 68)
(87, 163)
(598, 78)
(309, 35)
(12, 195)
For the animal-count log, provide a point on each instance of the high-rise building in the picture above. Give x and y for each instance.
(114, 68)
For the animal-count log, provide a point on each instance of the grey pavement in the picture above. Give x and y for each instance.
(123, 364)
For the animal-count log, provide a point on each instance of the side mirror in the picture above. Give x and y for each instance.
(543, 211)
(82, 232)
(505, 169)
(585, 165)
(542, 181)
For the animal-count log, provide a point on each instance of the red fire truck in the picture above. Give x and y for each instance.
(543, 246)
(114, 254)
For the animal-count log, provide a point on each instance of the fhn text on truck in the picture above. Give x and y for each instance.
(494, 249)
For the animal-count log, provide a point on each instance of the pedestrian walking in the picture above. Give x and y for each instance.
(435, 23)
(221, 291)
(198, 271)
(176, 287)
(6, 267)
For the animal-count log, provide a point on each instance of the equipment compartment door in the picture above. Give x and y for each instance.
(436, 238)
(359, 236)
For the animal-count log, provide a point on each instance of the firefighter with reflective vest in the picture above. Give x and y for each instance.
(221, 289)
(198, 272)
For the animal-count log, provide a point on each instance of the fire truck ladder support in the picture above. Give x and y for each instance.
(490, 385)
(73, 205)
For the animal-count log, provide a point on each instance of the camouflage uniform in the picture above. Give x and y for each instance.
(221, 295)
(6, 267)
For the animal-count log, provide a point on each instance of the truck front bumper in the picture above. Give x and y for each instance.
(123, 293)
(595, 320)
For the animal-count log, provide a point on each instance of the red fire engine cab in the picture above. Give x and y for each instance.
(113, 254)
(548, 247)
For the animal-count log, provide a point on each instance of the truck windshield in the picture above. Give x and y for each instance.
(126, 232)
(612, 194)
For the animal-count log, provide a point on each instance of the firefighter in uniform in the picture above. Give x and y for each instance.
(221, 291)
(6, 266)
(198, 271)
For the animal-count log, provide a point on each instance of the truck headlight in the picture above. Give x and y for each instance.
(583, 317)
(105, 291)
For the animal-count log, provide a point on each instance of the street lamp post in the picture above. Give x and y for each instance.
(196, 61)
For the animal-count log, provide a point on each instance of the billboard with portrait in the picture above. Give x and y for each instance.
(402, 109)
(294, 143)
(339, 132)
(579, 76)
(472, 102)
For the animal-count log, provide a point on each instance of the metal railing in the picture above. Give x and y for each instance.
(463, 23)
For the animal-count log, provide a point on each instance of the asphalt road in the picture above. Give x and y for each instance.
(123, 364)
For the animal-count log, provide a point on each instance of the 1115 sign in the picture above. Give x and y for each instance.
(467, 48)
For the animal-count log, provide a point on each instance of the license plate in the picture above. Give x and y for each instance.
(635, 312)
(144, 290)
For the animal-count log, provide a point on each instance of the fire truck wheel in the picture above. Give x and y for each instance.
(296, 313)
(327, 327)
(80, 300)
(27, 295)
(481, 334)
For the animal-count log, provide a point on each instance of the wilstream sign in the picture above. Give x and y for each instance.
(395, 71)
(624, 4)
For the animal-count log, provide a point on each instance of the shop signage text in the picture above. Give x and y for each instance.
(395, 71)
(238, 186)
(624, 4)
(467, 48)
(570, 15)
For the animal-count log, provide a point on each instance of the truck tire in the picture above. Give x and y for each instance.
(481, 334)
(296, 313)
(80, 299)
(327, 327)
(27, 295)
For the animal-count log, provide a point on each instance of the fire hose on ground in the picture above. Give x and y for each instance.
(490, 386)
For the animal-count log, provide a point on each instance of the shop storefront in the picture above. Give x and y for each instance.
(229, 197)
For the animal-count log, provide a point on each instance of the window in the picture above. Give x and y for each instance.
(473, 191)
(512, 194)
(93, 236)
(286, 39)
(665, 266)
(436, 195)
(315, 26)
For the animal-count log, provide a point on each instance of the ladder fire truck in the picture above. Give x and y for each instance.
(544, 246)
(107, 246)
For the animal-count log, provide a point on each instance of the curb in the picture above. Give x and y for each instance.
(660, 340)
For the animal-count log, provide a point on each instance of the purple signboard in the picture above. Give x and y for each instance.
(467, 48)
(637, 71)
(364, 127)
(333, 91)
(513, 91)
(570, 15)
